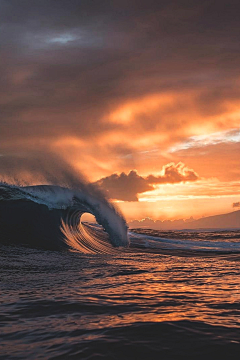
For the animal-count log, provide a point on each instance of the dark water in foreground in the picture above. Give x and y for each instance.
(173, 303)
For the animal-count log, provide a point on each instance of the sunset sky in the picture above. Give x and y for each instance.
(140, 97)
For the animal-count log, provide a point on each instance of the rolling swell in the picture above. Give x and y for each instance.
(49, 217)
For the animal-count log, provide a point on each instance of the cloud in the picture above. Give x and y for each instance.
(103, 57)
(126, 187)
(149, 223)
(236, 204)
(232, 136)
(173, 173)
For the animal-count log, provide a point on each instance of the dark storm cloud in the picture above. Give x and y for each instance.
(126, 187)
(66, 64)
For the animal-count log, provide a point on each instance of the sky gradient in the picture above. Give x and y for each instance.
(140, 97)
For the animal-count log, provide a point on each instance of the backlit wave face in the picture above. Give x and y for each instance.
(85, 238)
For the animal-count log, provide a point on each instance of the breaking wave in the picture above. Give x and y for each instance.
(49, 217)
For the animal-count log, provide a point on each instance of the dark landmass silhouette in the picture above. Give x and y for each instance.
(223, 221)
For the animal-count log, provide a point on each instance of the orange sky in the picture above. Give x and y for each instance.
(146, 104)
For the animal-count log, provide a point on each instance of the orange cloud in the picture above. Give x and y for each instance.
(129, 111)
(174, 173)
(236, 204)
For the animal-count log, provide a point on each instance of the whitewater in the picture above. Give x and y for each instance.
(79, 290)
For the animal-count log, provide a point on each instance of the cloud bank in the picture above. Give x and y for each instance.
(126, 187)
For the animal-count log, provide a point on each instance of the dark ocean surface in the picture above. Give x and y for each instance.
(168, 295)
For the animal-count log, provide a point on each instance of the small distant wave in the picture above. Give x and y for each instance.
(49, 217)
(186, 242)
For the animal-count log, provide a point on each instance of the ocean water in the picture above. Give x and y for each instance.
(145, 294)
